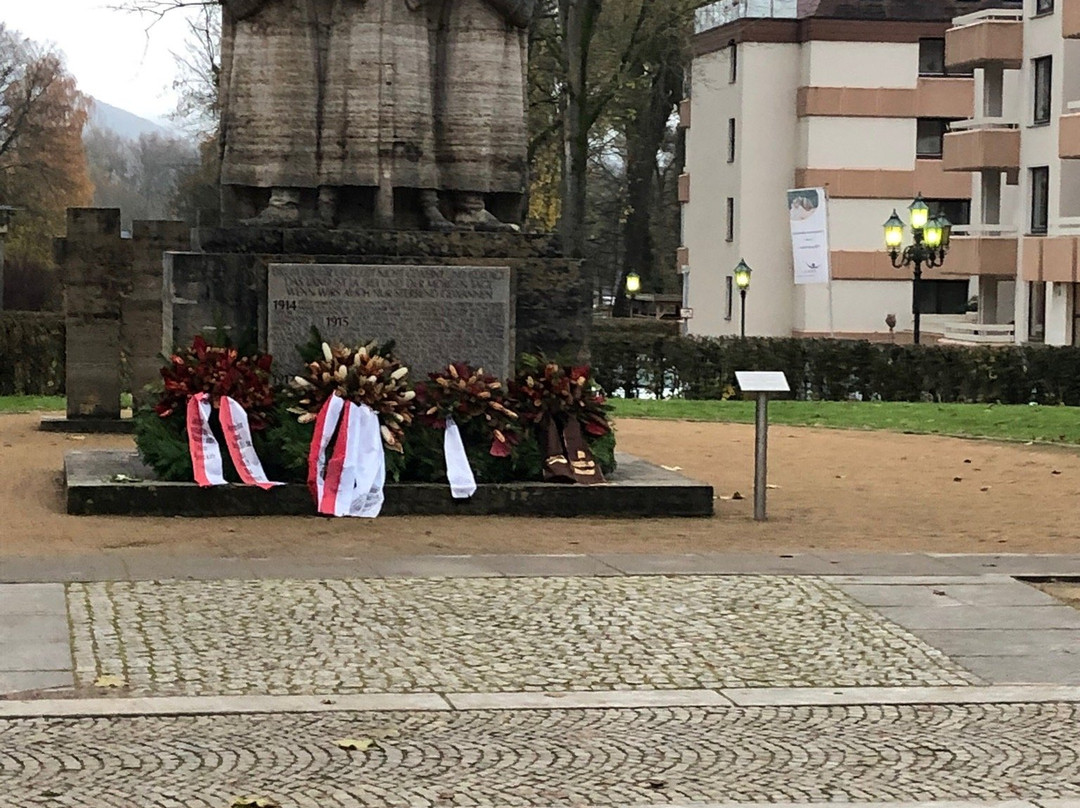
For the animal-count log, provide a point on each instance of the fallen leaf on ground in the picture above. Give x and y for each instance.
(771, 487)
(736, 495)
(76, 437)
(355, 744)
(255, 802)
(125, 478)
(109, 680)
(672, 468)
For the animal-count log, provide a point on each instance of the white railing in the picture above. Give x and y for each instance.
(985, 231)
(722, 12)
(970, 124)
(990, 15)
(1069, 223)
(1073, 106)
(981, 333)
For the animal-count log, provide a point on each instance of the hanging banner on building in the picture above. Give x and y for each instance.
(807, 210)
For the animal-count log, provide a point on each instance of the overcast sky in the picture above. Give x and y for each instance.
(115, 56)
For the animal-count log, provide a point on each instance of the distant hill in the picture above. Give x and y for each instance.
(126, 124)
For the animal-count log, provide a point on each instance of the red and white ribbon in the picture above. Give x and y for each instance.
(204, 448)
(206, 451)
(351, 483)
(458, 470)
(237, 429)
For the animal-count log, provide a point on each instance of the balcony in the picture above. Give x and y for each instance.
(981, 145)
(723, 12)
(978, 334)
(1070, 19)
(1069, 133)
(987, 251)
(993, 37)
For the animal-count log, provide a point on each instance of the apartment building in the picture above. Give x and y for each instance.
(854, 97)
(1022, 149)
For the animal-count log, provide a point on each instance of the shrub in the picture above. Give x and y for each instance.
(31, 354)
(633, 362)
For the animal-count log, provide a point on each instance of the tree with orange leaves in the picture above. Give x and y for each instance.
(43, 168)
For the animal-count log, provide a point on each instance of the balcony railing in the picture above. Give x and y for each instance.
(980, 144)
(723, 12)
(994, 36)
(979, 333)
(1069, 133)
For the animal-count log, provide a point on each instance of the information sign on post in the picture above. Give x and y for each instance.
(762, 385)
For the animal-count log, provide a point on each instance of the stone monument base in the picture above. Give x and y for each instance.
(225, 283)
(116, 482)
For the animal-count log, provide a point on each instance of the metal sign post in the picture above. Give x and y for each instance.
(761, 384)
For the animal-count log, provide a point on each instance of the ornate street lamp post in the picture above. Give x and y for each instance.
(742, 280)
(633, 286)
(930, 243)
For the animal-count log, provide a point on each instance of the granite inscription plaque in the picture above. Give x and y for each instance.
(435, 314)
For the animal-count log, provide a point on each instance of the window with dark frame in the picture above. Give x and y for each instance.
(931, 57)
(1040, 200)
(729, 297)
(932, 60)
(957, 211)
(1043, 71)
(1044, 6)
(943, 297)
(733, 63)
(1036, 311)
(731, 140)
(730, 219)
(930, 137)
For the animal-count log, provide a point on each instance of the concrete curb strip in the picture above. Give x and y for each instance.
(616, 699)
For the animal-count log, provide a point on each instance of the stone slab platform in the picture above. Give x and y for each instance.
(87, 426)
(98, 483)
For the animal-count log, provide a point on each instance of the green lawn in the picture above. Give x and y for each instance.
(9, 404)
(1015, 422)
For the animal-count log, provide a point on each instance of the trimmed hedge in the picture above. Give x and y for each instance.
(632, 361)
(31, 353)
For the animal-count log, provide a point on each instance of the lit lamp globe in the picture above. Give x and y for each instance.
(894, 232)
(932, 233)
(920, 213)
(742, 275)
(633, 284)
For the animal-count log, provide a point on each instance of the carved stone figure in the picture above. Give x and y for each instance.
(392, 112)
(480, 109)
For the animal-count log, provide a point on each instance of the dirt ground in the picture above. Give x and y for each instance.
(834, 490)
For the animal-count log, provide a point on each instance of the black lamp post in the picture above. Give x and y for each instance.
(742, 280)
(633, 286)
(930, 243)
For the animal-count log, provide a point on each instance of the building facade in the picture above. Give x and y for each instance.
(1022, 149)
(856, 98)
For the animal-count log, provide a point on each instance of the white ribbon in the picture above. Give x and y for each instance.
(237, 429)
(325, 425)
(203, 446)
(351, 483)
(458, 470)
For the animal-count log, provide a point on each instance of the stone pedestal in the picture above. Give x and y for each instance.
(140, 309)
(226, 284)
(96, 267)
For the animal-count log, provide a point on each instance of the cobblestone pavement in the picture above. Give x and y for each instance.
(489, 635)
(549, 758)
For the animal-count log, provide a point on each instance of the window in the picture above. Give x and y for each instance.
(1036, 312)
(943, 297)
(1043, 73)
(931, 57)
(929, 136)
(733, 62)
(1040, 199)
(932, 60)
(730, 219)
(1044, 6)
(729, 296)
(957, 211)
(731, 140)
